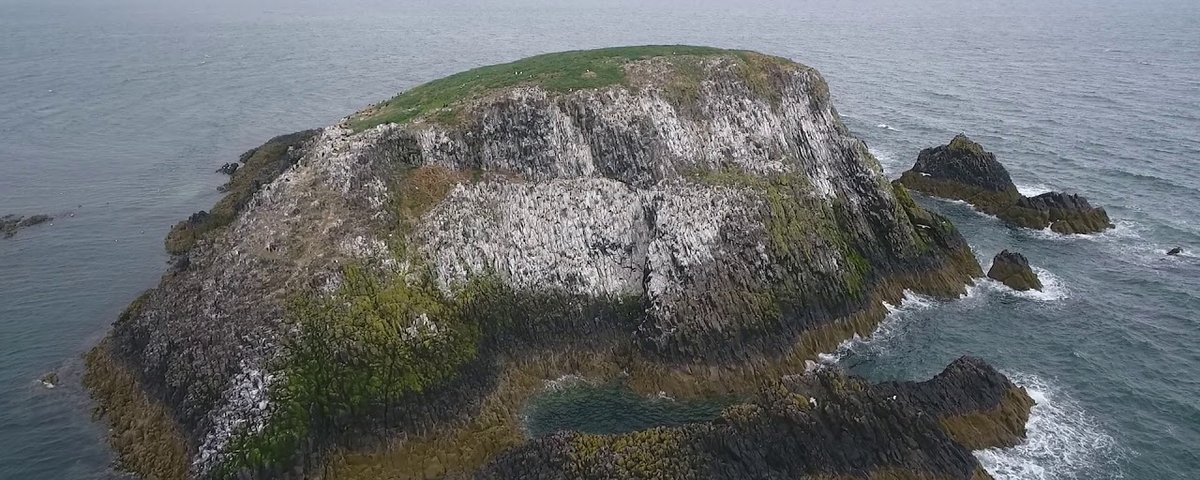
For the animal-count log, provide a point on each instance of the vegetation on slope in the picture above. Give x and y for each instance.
(556, 72)
(260, 166)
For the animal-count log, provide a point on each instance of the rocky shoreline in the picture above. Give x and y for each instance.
(963, 170)
(377, 298)
(822, 424)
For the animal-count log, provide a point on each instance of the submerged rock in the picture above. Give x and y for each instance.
(963, 170)
(823, 424)
(698, 219)
(1175, 251)
(1012, 269)
(10, 224)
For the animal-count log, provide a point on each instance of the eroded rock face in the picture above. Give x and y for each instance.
(963, 170)
(1012, 269)
(824, 424)
(739, 229)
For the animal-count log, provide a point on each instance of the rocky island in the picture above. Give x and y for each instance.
(377, 298)
(963, 170)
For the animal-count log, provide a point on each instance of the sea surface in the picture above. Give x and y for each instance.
(115, 113)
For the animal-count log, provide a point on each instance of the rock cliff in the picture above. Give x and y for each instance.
(963, 170)
(379, 296)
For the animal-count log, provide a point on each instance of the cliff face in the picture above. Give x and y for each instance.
(704, 215)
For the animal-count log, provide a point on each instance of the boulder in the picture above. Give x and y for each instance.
(963, 170)
(1012, 269)
(229, 168)
(1175, 251)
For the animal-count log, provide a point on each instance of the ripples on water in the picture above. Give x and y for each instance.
(119, 110)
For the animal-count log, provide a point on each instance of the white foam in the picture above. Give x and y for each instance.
(909, 304)
(886, 127)
(564, 382)
(888, 160)
(1053, 287)
(1033, 190)
(1063, 441)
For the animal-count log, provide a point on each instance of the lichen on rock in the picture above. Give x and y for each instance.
(701, 221)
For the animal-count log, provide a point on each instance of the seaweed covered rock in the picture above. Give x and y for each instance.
(1063, 212)
(698, 218)
(10, 224)
(1012, 269)
(820, 425)
(963, 170)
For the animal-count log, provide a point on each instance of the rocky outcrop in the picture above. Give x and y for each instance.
(1012, 269)
(963, 170)
(702, 222)
(10, 224)
(229, 168)
(820, 425)
(1175, 251)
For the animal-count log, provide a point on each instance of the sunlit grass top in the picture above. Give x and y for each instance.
(555, 72)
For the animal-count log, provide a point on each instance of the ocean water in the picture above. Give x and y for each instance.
(114, 114)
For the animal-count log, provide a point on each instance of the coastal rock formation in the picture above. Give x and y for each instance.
(1012, 269)
(1175, 251)
(229, 168)
(698, 220)
(963, 170)
(820, 425)
(10, 224)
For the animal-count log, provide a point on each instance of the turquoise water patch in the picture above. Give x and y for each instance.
(606, 408)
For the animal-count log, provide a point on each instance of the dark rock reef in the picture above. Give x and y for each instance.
(963, 170)
(10, 224)
(823, 424)
(1012, 269)
(376, 299)
(1175, 251)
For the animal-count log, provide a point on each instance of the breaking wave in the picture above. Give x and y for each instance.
(910, 304)
(1063, 441)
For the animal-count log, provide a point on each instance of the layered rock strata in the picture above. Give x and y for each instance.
(963, 170)
(819, 425)
(392, 287)
(1013, 270)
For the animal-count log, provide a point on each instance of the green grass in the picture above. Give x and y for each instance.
(556, 72)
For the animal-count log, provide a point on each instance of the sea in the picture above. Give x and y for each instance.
(114, 115)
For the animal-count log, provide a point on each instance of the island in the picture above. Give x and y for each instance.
(378, 298)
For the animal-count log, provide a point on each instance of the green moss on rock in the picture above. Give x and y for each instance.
(260, 167)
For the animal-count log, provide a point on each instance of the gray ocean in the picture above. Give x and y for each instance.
(115, 113)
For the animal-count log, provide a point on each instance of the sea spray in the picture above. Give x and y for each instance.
(877, 341)
(1063, 441)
